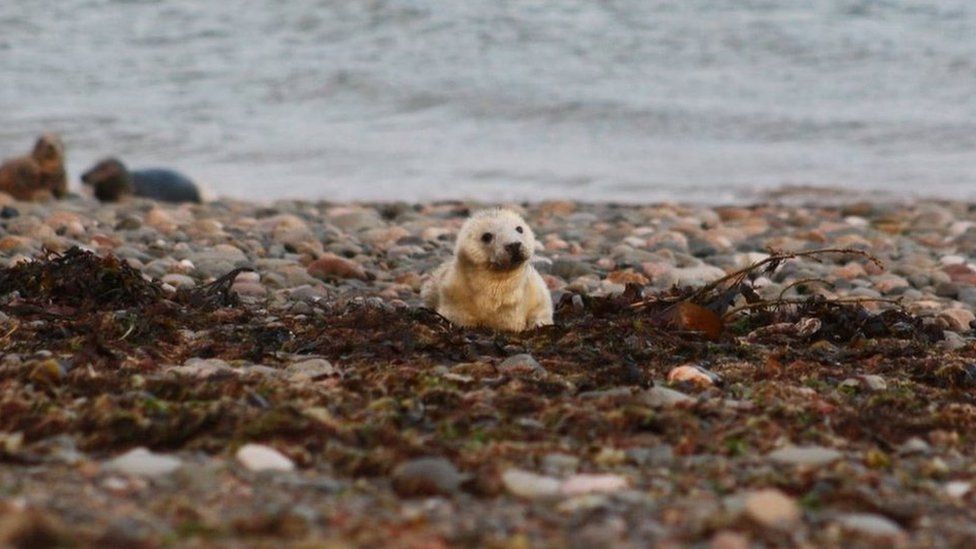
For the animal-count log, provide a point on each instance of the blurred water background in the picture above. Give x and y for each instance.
(623, 100)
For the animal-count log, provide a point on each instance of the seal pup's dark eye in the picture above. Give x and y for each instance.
(519, 229)
(486, 238)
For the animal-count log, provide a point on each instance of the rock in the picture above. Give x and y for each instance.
(771, 508)
(696, 276)
(569, 269)
(961, 273)
(249, 289)
(813, 456)
(692, 373)
(914, 446)
(530, 485)
(951, 341)
(520, 364)
(142, 462)
(870, 525)
(868, 382)
(178, 281)
(727, 539)
(559, 464)
(353, 219)
(331, 266)
(427, 476)
(956, 319)
(890, 283)
(627, 276)
(958, 488)
(203, 368)
(258, 457)
(160, 220)
(311, 369)
(586, 484)
(662, 397)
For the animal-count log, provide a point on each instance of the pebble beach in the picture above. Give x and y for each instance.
(498, 440)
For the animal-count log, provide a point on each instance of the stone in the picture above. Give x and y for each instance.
(569, 269)
(627, 276)
(956, 319)
(201, 368)
(311, 369)
(249, 289)
(427, 476)
(520, 364)
(662, 397)
(727, 539)
(352, 219)
(890, 283)
(694, 374)
(330, 266)
(141, 462)
(870, 525)
(178, 281)
(771, 508)
(258, 457)
(587, 484)
(558, 464)
(525, 484)
(160, 220)
(868, 382)
(696, 276)
(813, 456)
(914, 446)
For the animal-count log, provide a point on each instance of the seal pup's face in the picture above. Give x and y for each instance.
(109, 178)
(498, 240)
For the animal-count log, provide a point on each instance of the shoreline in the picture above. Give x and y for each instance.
(308, 399)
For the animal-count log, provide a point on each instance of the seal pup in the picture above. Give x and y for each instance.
(111, 181)
(38, 175)
(489, 282)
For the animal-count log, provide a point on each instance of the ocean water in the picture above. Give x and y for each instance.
(623, 100)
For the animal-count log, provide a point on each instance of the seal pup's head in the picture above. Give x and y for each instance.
(498, 240)
(109, 179)
(48, 152)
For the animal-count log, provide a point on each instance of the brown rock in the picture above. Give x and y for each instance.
(957, 320)
(961, 274)
(333, 266)
(771, 508)
(627, 276)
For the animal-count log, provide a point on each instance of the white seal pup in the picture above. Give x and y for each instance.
(489, 281)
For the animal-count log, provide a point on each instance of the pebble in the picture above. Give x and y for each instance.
(813, 456)
(957, 319)
(258, 457)
(141, 462)
(586, 484)
(427, 477)
(521, 364)
(201, 368)
(179, 281)
(914, 446)
(870, 525)
(694, 374)
(331, 266)
(869, 382)
(309, 370)
(662, 397)
(525, 484)
(771, 508)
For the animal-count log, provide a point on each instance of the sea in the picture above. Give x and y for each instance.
(703, 101)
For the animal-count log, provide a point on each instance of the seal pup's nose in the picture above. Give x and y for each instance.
(514, 250)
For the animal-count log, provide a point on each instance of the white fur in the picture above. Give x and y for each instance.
(480, 287)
